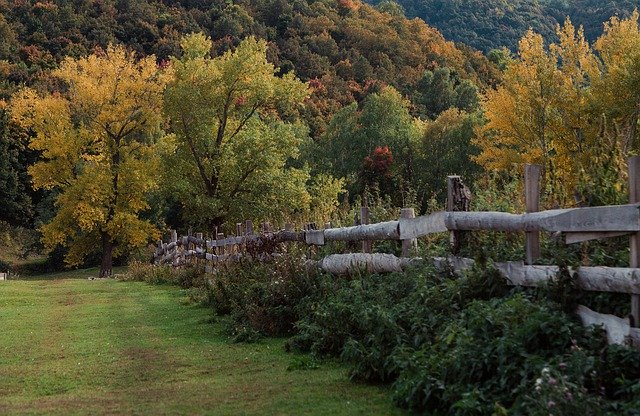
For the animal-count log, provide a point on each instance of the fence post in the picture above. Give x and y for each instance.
(174, 239)
(411, 243)
(248, 227)
(200, 236)
(367, 246)
(220, 237)
(634, 261)
(458, 199)
(532, 174)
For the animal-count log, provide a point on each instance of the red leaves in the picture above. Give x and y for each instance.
(380, 161)
(240, 101)
(316, 84)
(349, 4)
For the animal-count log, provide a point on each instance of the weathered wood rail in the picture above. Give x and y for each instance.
(589, 223)
(574, 225)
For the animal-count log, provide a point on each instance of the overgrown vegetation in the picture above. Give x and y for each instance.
(447, 344)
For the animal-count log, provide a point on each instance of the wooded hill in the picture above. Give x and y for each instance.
(345, 46)
(345, 50)
(492, 24)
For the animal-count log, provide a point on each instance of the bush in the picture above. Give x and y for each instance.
(262, 297)
(488, 354)
(145, 272)
(365, 320)
(190, 276)
(465, 345)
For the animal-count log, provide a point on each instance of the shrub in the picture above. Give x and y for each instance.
(366, 319)
(260, 296)
(487, 354)
(190, 276)
(145, 272)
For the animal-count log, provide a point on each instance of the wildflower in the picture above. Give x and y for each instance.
(551, 404)
(538, 381)
(545, 371)
(553, 381)
(563, 366)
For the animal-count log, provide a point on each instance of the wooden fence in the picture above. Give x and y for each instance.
(572, 225)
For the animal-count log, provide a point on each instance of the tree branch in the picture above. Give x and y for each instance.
(196, 157)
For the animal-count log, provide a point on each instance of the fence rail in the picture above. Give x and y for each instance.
(574, 225)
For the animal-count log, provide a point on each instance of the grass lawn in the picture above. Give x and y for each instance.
(71, 346)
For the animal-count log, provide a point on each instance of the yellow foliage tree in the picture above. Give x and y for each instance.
(544, 111)
(98, 137)
(522, 123)
(618, 88)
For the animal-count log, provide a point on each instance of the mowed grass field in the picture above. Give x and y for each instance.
(74, 346)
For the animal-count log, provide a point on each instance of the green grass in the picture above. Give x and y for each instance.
(72, 274)
(76, 346)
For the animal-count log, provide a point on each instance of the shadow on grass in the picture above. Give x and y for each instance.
(67, 274)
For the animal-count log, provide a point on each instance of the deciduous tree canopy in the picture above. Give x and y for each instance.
(98, 136)
(232, 145)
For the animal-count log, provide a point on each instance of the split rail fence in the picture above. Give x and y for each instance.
(573, 225)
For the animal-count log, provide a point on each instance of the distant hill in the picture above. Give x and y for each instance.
(347, 48)
(490, 24)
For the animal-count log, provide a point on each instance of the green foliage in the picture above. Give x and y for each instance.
(442, 89)
(262, 298)
(366, 318)
(355, 134)
(446, 149)
(232, 144)
(191, 276)
(491, 24)
(15, 186)
(467, 345)
(486, 355)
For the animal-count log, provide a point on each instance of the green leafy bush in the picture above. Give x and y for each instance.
(366, 319)
(189, 276)
(487, 354)
(262, 297)
(465, 345)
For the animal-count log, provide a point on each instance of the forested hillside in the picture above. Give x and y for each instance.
(345, 50)
(492, 24)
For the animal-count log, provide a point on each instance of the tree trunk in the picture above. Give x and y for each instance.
(106, 267)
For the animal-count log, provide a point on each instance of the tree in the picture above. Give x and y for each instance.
(522, 122)
(442, 89)
(618, 89)
(17, 208)
(98, 137)
(446, 149)
(349, 146)
(232, 143)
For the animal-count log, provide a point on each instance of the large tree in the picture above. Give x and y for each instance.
(17, 208)
(98, 136)
(372, 144)
(232, 141)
